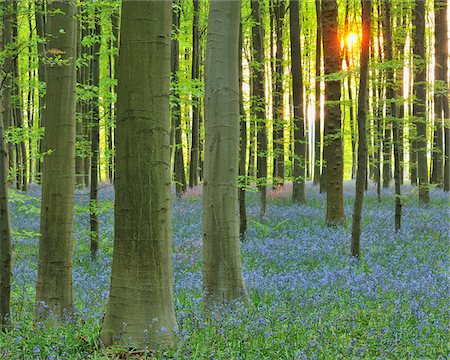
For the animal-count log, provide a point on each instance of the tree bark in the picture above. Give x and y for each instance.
(278, 103)
(259, 104)
(95, 137)
(179, 173)
(54, 284)
(317, 148)
(420, 101)
(141, 292)
(194, 163)
(441, 91)
(242, 146)
(299, 159)
(333, 152)
(222, 275)
(362, 119)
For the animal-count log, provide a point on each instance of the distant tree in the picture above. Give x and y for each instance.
(362, 119)
(298, 192)
(391, 112)
(317, 108)
(420, 93)
(440, 95)
(95, 134)
(242, 145)
(333, 150)
(222, 275)
(258, 102)
(196, 55)
(179, 171)
(279, 9)
(54, 284)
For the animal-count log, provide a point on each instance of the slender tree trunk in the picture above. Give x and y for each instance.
(39, 14)
(5, 236)
(350, 95)
(391, 110)
(141, 292)
(298, 191)
(95, 137)
(278, 103)
(317, 148)
(440, 73)
(420, 102)
(179, 174)
(54, 284)
(258, 104)
(113, 111)
(242, 146)
(362, 119)
(333, 152)
(222, 276)
(8, 65)
(194, 163)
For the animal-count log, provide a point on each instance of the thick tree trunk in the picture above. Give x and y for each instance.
(54, 284)
(141, 292)
(420, 94)
(222, 275)
(194, 163)
(333, 151)
(299, 159)
(95, 138)
(259, 103)
(362, 119)
(179, 173)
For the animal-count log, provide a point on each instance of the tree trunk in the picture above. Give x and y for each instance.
(440, 73)
(317, 149)
(95, 136)
(298, 191)
(141, 292)
(333, 152)
(54, 284)
(391, 111)
(39, 14)
(259, 103)
(362, 119)
(420, 101)
(194, 163)
(222, 275)
(179, 174)
(278, 103)
(242, 146)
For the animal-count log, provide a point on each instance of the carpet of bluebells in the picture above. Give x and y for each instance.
(309, 298)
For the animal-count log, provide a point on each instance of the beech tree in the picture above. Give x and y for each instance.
(333, 149)
(141, 291)
(259, 102)
(362, 119)
(299, 158)
(222, 275)
(5, 235)
(54, 284)
(420, 101)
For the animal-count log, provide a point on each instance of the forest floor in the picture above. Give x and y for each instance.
(309, 298)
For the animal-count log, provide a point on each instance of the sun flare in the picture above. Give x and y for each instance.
(352, 39)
